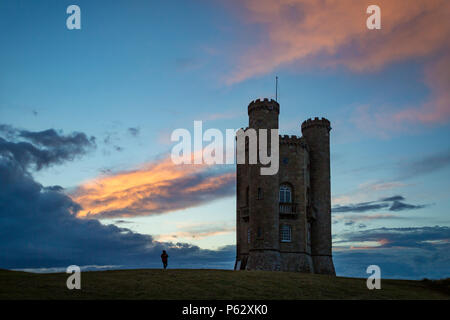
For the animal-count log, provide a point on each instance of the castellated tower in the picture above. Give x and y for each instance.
(283, 221)
(264, 250)
(317, 135)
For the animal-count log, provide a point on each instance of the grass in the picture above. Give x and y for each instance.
(211, 284)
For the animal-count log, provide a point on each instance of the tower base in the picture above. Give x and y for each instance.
(296, 262)
(268, 260)
(323, 265)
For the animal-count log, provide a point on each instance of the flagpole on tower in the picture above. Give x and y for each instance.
(276, 88)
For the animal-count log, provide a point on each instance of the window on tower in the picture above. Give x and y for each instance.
(285, 233)
(285, 193)
(247, 193)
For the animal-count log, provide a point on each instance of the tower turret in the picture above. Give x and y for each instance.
(317, 135)
(264, 243)
(263, 114)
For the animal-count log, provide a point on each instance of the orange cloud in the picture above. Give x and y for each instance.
(197, 232)
(154, 188)
(367, 245)
(437, 109)
(333, 32)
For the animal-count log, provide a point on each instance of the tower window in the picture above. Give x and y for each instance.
(285, 233)
(259, 232)
(285, 193)
(247, 191)
(260, 194)
(248, 235)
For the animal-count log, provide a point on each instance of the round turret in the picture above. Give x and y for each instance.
(317, 135)
(316, 123)
(263, 114)
(264, 243)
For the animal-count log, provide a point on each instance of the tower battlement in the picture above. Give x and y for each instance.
(293, 140)
(316, 122)
(264, 104)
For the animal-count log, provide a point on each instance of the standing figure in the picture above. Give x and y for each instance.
(164, 257)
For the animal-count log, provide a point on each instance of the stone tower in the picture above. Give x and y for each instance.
(264, 250)
(317, 135)
(283, 221)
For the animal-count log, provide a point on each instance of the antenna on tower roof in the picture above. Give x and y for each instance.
(276, 88)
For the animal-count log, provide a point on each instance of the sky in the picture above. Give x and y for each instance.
(86, 118)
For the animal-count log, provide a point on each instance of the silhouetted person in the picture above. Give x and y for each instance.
(164, 257)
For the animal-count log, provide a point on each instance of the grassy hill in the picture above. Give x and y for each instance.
(211, 284)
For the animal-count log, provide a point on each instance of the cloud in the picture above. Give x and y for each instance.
(400, 206)
(363, 217)
(154, 188)
(111, 141)
(396, 205)
(39, 228)
(336, 33)
(303, 33)
(400, 237)
(121, 221)
(360, 207)
(393, 198)
(405, 169)
(42, 149)
(408, 253)
(134, 131)
(197, 231)
(425, 165)
(365, 189)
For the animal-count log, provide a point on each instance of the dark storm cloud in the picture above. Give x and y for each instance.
(394, 203)
(404, 253)
(38, 229)
(42, 149)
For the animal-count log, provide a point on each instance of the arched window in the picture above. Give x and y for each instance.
(285, 233)
(285, 193)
